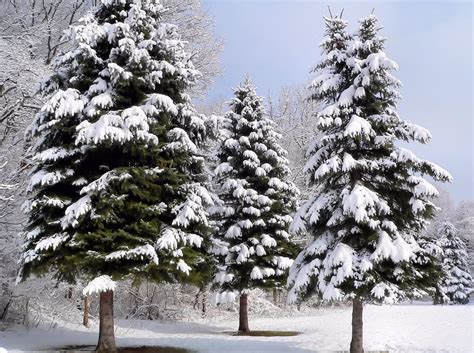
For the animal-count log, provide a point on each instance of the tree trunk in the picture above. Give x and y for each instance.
(357, 345)
(69, 293)
(26, 315)
(5, 308)
(196, 298)
(204, 302)
(275, 296)
(85, 318)
(243, 314)
(106, 328)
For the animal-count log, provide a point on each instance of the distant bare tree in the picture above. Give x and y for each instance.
(294, 114)
(197, 28)
(39, 23)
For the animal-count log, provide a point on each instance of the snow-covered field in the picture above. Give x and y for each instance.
(403, 328)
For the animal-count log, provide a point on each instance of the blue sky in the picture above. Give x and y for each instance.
(276, 43)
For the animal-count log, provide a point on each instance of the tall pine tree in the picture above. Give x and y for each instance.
(456, 285)
(257, 201)
(118, 187)
(371, 200)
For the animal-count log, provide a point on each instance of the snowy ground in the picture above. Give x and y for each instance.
(404, 328)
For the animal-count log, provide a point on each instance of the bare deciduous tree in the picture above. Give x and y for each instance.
(294, 114)
(196, 27)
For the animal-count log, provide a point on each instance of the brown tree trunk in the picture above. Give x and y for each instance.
(196, 298)
(243, 314)
(204, 304)
(106, 327)
(85, 318)
(26, 315)
(5, 308)
(357, 344)
(275, 296)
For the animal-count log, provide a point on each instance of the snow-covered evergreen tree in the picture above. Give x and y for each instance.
(456, 284)
(118, 188)
(371, 201)
(257, 200)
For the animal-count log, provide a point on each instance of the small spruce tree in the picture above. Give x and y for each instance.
(371, 201)
(456, 284)
(118, 186)
(257, 201)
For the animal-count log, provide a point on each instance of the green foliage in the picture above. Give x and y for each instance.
(257, 199)
(119, 185)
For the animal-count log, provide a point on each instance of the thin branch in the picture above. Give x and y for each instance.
(330, 13)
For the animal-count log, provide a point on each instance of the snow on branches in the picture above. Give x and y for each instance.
(118, 175)
(456, 285)
(98, 285)
(256, 200)
(370, 200)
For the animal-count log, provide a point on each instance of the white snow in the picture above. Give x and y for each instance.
(53, 154)
(398, 328)
(51, 242)
(260, 250)
(358, 126)
(129, 124)
(147, 251)
(243, 252)
(233, 232)
(104, 181)
(181, 141)
(109, 126)
(98, 285)
(99, 86)
(223, 168)
(348, 162)
(169, 239)
(183, 266)
(75, 211)
(64, 103)
(251, 211)
(377, 61)
(347, 96)
(187, 212)
(283, 263)
(362, 203)
(163, 103)
(268, 241)
(194, 240)
(43, 177)
(256, 273)
(225, 297)
(417, 132)
(103, 100)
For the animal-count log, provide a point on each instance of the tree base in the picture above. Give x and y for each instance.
(243, 314)
(106, 342)
(357, 345)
